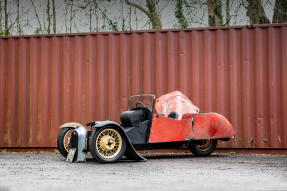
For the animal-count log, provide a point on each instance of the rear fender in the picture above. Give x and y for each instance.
(209, 126)
(131, 153)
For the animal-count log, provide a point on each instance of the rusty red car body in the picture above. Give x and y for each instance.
(191, 124)
(205, 126)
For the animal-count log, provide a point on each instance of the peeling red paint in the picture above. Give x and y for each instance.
(190, 124)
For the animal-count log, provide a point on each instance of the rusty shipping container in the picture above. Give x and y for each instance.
(240, 72)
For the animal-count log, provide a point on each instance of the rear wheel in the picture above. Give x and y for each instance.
(203, 148)
(107, 144)
(64, 140)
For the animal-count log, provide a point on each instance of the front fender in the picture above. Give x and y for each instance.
(131, 153)
(81, 144)
(106, 123)
(71, 124)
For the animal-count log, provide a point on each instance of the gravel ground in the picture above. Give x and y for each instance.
(49, 171)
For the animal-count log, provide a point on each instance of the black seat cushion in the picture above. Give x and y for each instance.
(133, 117)
(173, 115)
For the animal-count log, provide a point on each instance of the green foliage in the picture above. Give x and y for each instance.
(6, 32)
(280, 12)
(20, 32)
(218, 10)
(38, 31)
(113, 26)
(183, 23)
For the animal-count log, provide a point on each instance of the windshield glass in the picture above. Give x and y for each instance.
(143, 100)
(175, 101)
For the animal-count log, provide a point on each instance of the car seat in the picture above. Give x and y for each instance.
(173, 115)
(135, 116)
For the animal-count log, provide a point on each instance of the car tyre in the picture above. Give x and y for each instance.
(203, 149)
(107, 144)
(63, 140)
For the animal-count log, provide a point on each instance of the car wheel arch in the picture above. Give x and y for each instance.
(130, 152)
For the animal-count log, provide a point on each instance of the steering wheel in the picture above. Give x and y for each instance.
(139, 103)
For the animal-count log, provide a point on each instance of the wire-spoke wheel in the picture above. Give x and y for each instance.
(64, 140)
(205, 148)
(107, 144)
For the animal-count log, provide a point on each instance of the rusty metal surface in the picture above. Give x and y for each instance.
(240, 72)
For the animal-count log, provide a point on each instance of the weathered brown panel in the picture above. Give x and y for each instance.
(240, 72)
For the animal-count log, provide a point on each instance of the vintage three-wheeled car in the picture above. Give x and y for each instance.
(170, 121)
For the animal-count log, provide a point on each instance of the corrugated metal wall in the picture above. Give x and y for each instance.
(239, 72)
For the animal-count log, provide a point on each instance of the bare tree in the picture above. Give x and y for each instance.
(130, 18)
(48, 17)
(71, 15)
(91, 6)
(151, 12)
(256, 13)
(66, 16)
(227, 13)
(111, 24)
(18, 19)
(280, 12)
(192, 12)
(1, 31)
(6, 27)
(123, 19)
(90, 18)
(39, 28)
(54, 17)
(214, 12)
(96, 15)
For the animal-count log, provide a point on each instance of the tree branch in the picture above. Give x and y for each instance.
(37, 16)
(139, 7)
(114, 27)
